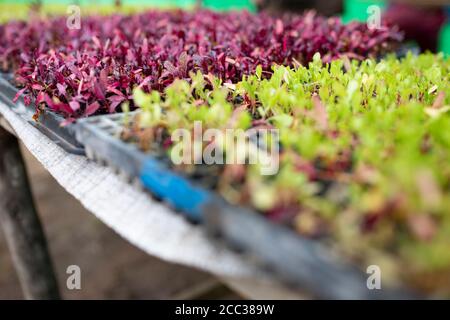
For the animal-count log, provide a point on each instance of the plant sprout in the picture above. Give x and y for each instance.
(364, 158)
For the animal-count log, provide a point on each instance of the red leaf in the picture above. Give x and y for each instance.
(319, 113)
(115, 101)
(74, 105)
(92, 108)
(18, 94)
(439, 102)
(61, 89)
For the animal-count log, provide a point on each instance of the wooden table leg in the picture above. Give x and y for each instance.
(21, 225)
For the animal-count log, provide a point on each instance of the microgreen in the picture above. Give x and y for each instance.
(70, 70)
(364, 163)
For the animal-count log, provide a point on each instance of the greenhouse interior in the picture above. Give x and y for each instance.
(225, 150)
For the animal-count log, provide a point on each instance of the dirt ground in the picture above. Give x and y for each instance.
(111, 268)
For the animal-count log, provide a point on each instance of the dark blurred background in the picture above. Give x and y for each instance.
(425, 22)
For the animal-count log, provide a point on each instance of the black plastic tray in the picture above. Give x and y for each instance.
(299, 262)
(49, 123)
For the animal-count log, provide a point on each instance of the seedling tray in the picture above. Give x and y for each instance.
(49, 123)
(299, 262)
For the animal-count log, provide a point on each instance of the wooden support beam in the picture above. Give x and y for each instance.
(21, 225)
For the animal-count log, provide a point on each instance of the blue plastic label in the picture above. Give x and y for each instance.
(174, 189)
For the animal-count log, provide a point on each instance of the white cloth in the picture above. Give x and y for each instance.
(133, 214)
